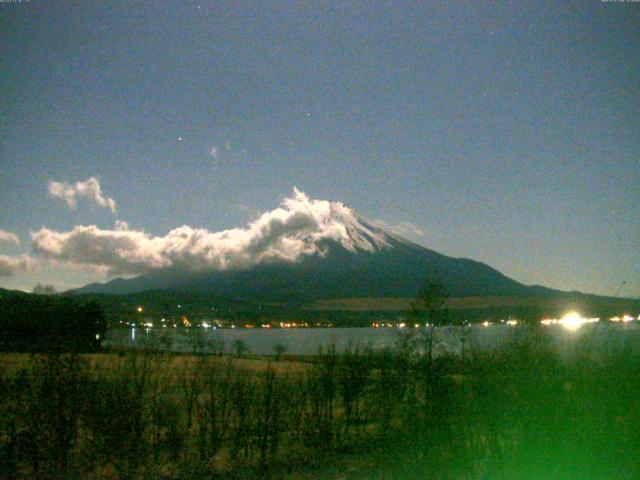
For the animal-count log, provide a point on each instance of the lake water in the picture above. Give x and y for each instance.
(602, 337)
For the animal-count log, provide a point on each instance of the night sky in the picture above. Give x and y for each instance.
(505, 132)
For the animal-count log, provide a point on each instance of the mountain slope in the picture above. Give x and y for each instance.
(307, 250)
(359, 260)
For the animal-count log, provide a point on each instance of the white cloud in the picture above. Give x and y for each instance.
(295, 229)
(121, 225)
(406, 230)
(89, 189)
(10, 266)
(409, 230)
(9, 238)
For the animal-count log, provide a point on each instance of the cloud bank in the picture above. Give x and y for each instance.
(9, 238)
(403, 229)
(89, 189)
(10, 266)
(295, 229)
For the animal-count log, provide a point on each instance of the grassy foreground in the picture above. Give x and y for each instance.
(519, 412)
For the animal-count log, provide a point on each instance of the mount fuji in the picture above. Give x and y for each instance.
(304, 251)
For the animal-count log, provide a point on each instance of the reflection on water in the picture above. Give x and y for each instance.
(308, 341)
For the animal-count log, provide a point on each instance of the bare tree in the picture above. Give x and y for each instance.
(41, 289)
(279, 349)
(430, 308)
(240, 347)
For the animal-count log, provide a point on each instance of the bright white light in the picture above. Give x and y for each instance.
(512, 322)
(571, 321)
(627, 318)
(485, 324)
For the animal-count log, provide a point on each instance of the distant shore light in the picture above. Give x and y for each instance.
(571, 321)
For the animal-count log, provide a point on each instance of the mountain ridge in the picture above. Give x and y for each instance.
(394, 268)
(312, 250)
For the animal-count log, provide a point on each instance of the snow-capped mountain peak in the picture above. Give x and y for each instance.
(299, 228)
(335, 221)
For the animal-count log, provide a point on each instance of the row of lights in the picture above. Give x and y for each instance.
(397, 325)
(187, 323)
(571, 321)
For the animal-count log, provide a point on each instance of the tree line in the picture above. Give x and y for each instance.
(46, 323)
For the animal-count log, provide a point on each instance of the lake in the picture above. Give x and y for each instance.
(601, 337)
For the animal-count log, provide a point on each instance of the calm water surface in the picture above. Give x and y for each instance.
(602, 337)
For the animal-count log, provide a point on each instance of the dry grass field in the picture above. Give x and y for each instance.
(520, 412)
(562, 303)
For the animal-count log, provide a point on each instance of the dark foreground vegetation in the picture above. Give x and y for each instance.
(518, 412)
(49, 323)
